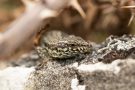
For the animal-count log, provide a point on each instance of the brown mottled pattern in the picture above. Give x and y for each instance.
(66, 47)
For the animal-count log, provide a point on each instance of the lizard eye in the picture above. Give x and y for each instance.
(72, 44)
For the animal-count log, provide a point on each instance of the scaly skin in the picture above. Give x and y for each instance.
(66, 47)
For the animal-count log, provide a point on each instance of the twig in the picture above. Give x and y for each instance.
(26, 26)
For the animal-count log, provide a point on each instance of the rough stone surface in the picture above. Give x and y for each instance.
(52, 76)
(109, 80)
(14, 78)
(114, 48)
(113, 70)
(83, 74)
(118, 75)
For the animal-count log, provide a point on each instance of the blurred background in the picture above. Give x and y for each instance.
(103, 18)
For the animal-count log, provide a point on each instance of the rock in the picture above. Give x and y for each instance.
(113, 71)
(14, 78)
(118, 75)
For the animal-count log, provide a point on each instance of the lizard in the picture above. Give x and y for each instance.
(59, 45)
